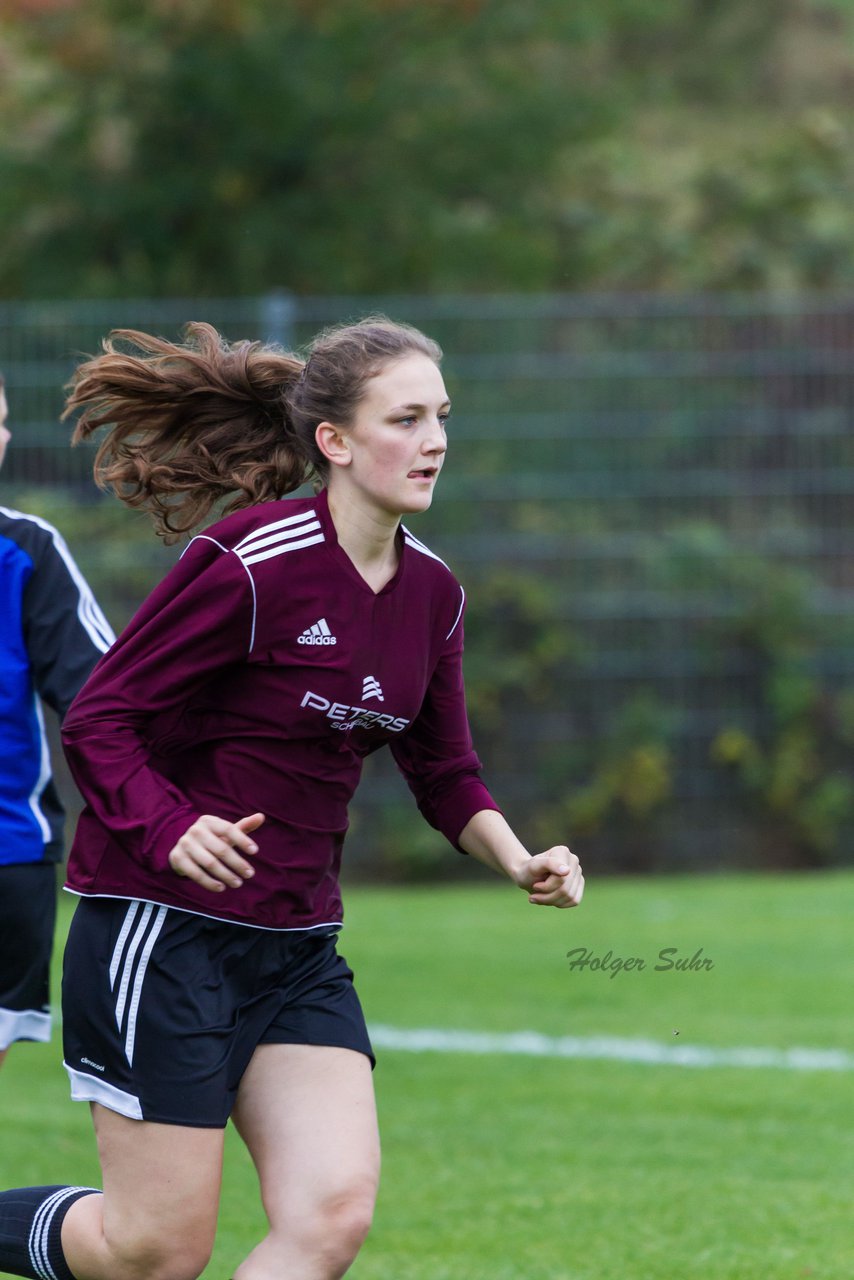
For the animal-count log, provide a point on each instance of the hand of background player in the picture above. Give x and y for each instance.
(553, 878)
(211, 852)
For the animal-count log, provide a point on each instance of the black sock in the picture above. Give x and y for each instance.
(30, 1227)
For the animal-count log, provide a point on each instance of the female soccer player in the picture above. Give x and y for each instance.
(217, 746)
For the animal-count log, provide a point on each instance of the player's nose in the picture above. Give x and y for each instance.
(436, 440)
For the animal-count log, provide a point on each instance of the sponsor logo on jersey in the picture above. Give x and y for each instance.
(371, 688)
(342, 716)
(319, 633)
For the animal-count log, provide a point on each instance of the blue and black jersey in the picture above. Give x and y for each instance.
(52, 632)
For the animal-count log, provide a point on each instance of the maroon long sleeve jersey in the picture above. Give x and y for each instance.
(257, 677)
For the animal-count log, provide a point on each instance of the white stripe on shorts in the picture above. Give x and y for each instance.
(130, 916)
(23, 1024)
(126, 964)
(88, 1088)
(130, 1037)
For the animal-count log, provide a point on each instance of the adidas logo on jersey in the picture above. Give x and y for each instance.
(318, 634)
(371, 688)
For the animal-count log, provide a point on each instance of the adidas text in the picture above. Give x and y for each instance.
(318, 634)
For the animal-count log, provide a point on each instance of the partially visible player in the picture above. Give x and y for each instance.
(51, 635)
(218, 745)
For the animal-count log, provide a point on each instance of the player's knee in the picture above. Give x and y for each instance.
(356, 1216)
(182, 1264)
(344, 1221)
(331, 1230)
(155, 1258)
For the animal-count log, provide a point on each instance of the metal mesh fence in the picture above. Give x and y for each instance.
(650, 500)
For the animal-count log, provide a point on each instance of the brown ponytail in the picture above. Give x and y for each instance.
(194, 425)
(189, 425)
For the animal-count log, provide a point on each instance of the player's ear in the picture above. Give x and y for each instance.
(333, 444)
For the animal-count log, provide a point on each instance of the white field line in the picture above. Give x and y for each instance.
(531, 1044)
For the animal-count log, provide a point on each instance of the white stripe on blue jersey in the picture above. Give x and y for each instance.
(91, 618)
(44, 774)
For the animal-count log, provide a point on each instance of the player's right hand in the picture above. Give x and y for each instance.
(213, 852)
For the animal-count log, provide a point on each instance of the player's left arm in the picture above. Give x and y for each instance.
(551, 879)
(437, 758)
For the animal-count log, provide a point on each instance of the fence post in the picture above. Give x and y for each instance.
(278, 316)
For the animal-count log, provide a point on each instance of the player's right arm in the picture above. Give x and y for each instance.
(195, 624)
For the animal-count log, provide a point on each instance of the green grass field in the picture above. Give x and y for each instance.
(503, 1167)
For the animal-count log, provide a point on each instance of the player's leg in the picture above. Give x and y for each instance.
(157, 1217)
(27, 915)
(147, 1028)
(155, 1220)
(308, 1117)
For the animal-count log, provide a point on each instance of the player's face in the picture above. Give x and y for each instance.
(5, 433)
(397, 440)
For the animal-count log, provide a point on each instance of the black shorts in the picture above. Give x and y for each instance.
(163, 1009)
(27, 919)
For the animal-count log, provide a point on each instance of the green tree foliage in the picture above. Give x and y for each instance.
(221, 147)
